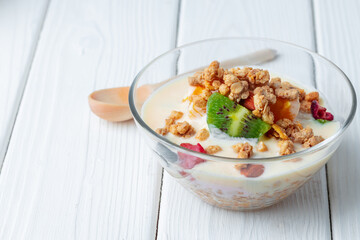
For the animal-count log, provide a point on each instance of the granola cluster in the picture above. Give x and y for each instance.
(290, 132)
(305, 104)
(244, 150)
(263, 97)
(202, 135)
(234, 83)
(240, 83)
(212, 149)
(261, 147)
(180, 129)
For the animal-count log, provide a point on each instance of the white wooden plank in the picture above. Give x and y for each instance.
(67, 174)
(338, 37)
(305, 214)
(20, 27)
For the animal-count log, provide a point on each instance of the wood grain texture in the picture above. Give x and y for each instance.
(20, 27)
(305, 214)
(338, 37)
(67, 174)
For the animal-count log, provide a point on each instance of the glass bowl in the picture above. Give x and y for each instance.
(284, 174)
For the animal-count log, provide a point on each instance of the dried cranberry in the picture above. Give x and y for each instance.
(184, 174)
(249, 102)
(252, 170)
(188, 161)
(319, 112)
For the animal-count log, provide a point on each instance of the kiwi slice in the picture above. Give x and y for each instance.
(233, 119)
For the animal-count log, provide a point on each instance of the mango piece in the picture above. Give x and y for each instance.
(284, 108)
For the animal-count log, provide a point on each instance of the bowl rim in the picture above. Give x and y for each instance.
(301, 153)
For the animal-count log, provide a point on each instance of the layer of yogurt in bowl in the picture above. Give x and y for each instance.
(244, 113)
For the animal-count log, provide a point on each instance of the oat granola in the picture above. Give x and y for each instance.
(256, 90)
(212, 149)
(271, 117)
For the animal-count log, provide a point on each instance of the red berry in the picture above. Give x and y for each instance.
(249, 102)
(188, 161)
(319, 112)
(252, 170)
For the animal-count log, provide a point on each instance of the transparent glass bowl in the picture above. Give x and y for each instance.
(285, 175)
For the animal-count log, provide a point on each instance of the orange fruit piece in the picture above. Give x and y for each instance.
(198, 90)
(284, 108)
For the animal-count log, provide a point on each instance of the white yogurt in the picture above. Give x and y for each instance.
(213, 177)
(170, 97)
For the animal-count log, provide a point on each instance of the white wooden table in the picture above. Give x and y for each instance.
(68, 175)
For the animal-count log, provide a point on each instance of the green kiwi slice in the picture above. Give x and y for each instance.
(233, 119)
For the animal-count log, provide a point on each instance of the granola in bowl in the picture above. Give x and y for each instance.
(268, 110)
(245, 113)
